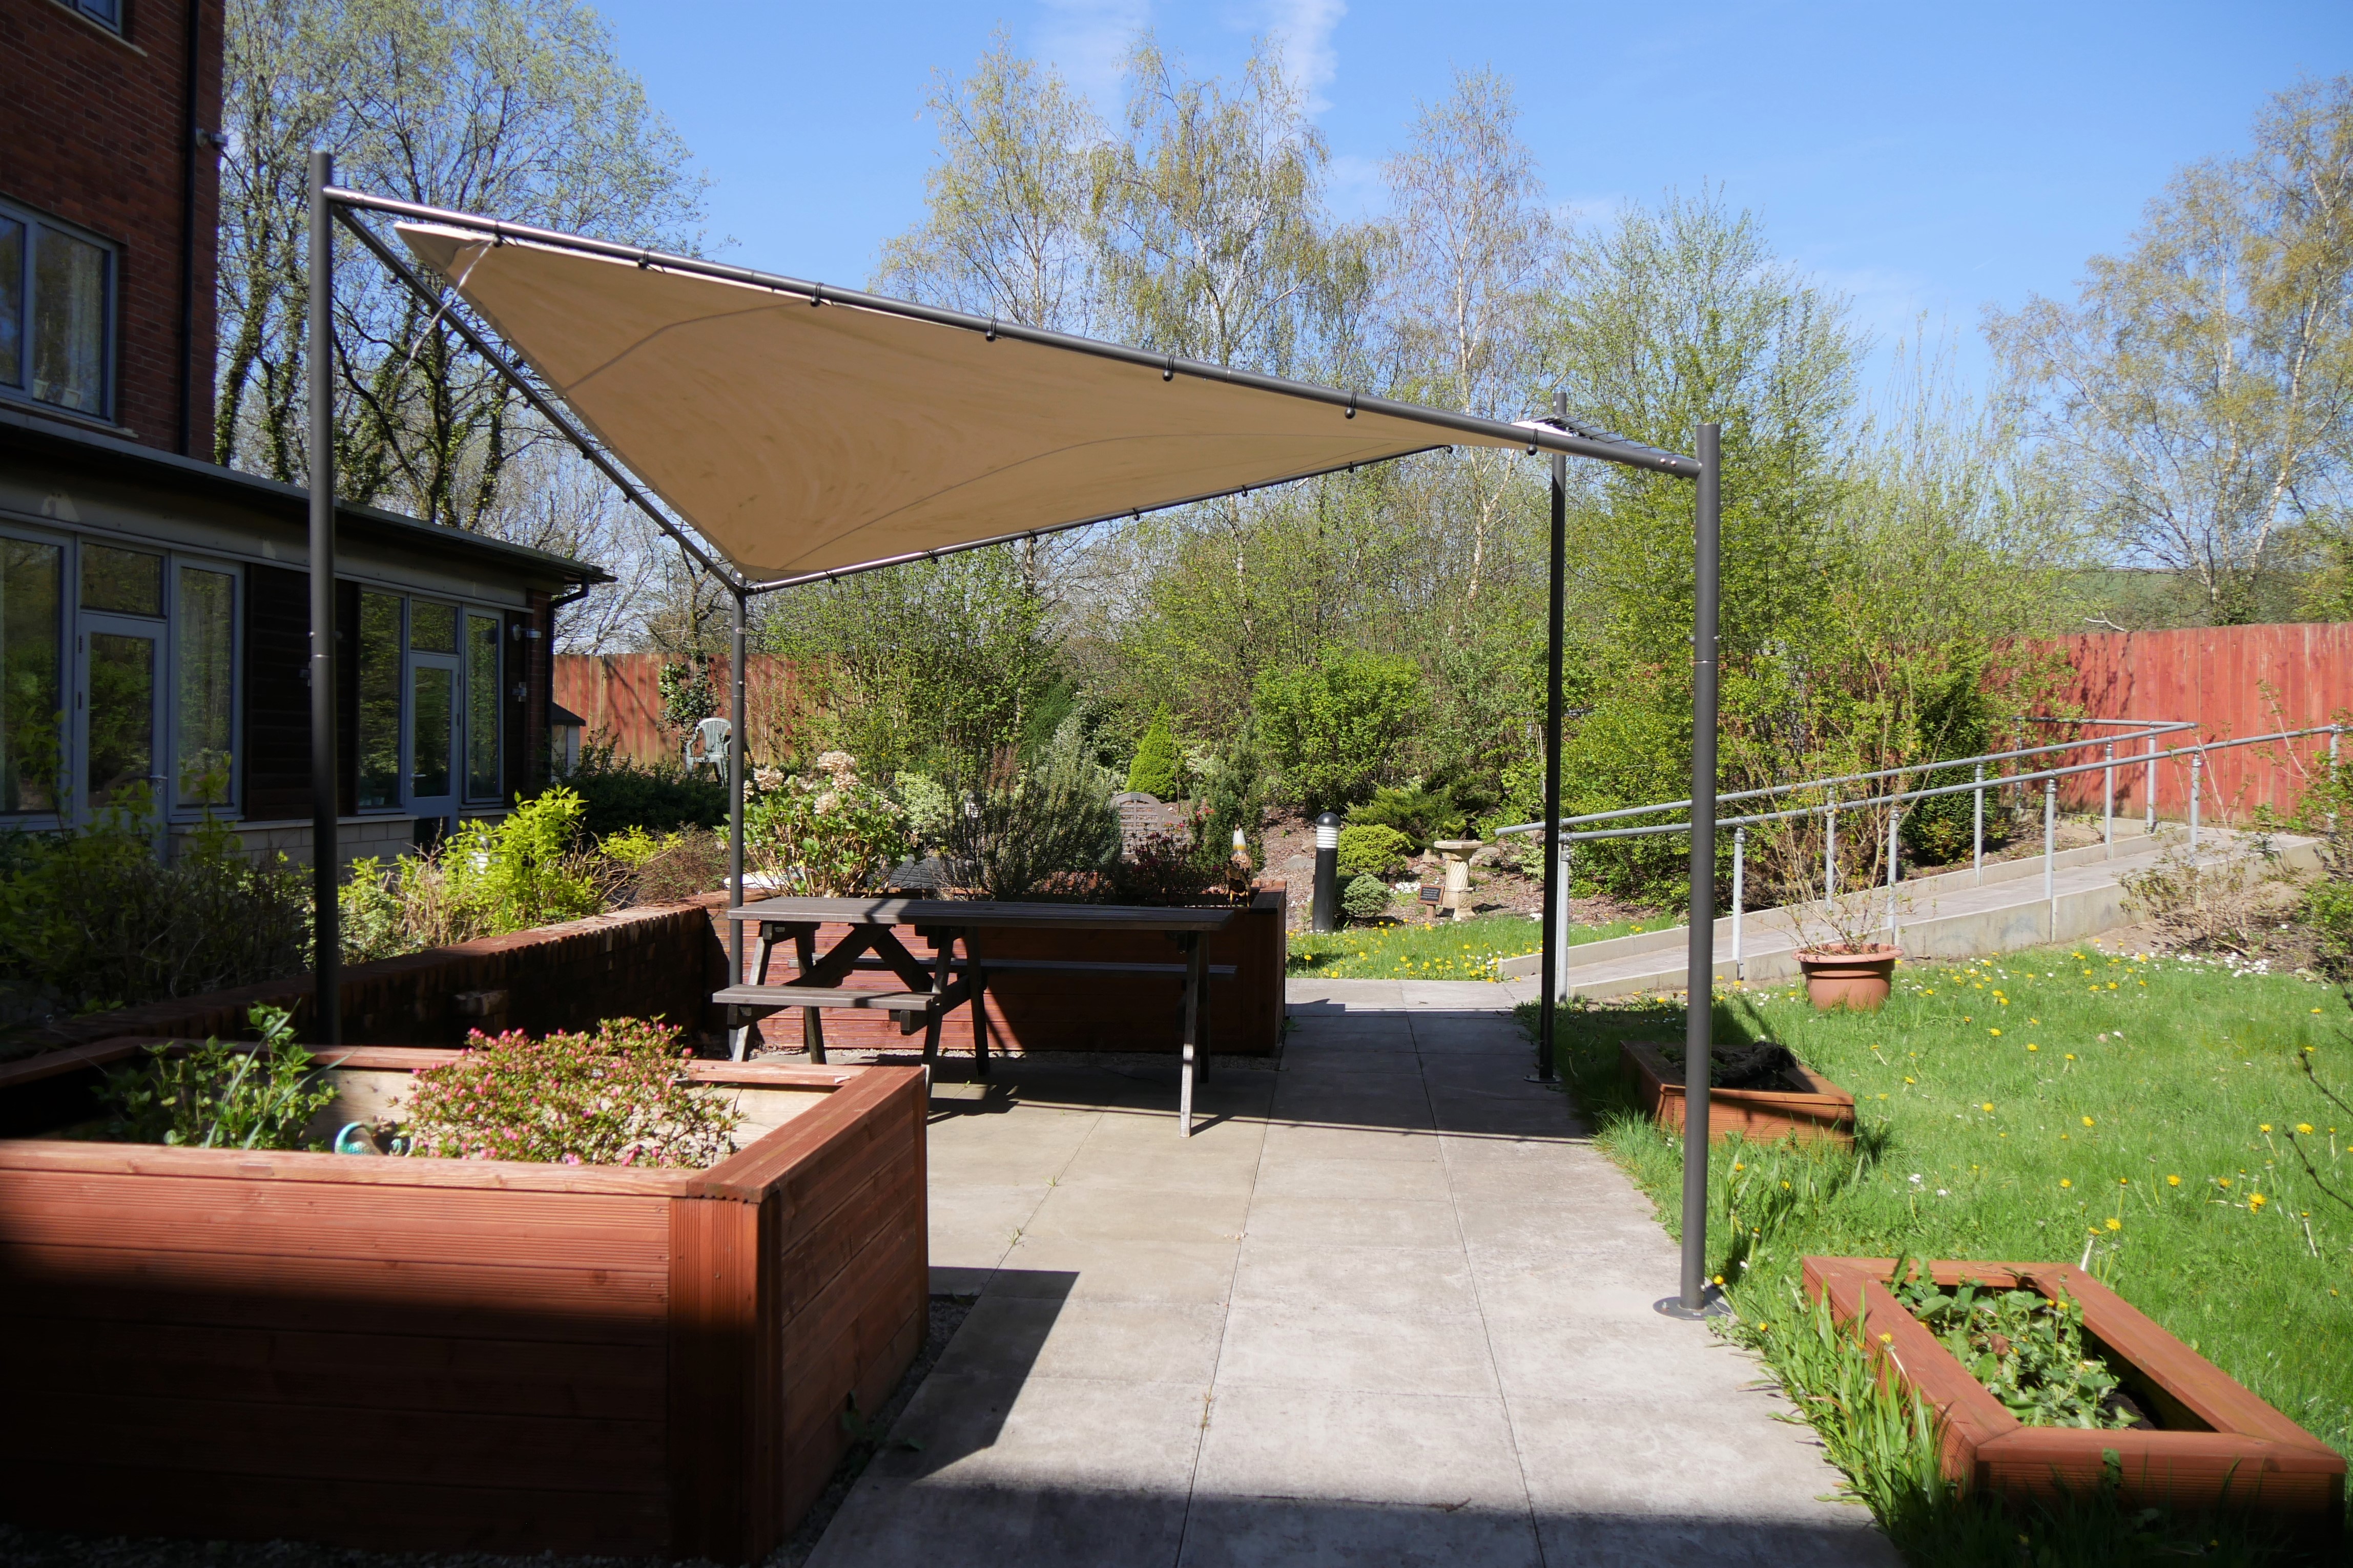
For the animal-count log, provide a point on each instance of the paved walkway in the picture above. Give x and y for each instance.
(1387, 1309)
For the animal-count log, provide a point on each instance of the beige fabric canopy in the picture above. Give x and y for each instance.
(800, 439)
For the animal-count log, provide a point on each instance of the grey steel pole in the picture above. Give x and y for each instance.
(1977, 825)
(1556, 891)
(1830, 851)
(1739, 855)
(327, 933)
(2108, 802)
(1699, 1009)
(2050, 864)
(1566, 867)
(2149, 789)
(1894, 849)
(735, 796)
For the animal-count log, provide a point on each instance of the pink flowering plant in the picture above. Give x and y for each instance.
(618, 1097)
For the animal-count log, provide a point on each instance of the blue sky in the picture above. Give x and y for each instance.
(1930, 158)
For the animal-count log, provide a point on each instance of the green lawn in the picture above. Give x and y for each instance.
(1449, 951)
(2025, 1107)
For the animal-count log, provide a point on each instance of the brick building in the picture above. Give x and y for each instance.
(153, 611)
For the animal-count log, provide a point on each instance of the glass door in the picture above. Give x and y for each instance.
(432, 709)
(121, 710)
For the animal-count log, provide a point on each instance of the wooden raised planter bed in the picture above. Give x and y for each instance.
(2216, 1445)
(1823, 1114)
(453, 1354)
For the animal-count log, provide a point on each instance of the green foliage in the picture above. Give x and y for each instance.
(617, 792)
(1372, 851)
(1421, 814)
(827, 835)
(1366, 898)
(617, 1097)
(1333, 729)
(1984, 1148)
(1450, 950)
(1158, 769)
(1233, 785)
(1024, 830)
(90, 919)
(686, 699)
(527, 869)
(926, 804)
(2026, 1348)
(219, 1097)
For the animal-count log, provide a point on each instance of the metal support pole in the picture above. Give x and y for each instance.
(1699, 1008)
(326, 860)
(1560, 920)
(1556, 886)
(2049, 850)
(1895, 852)
(1739, 857)
(735, 795)
(1977, 825)
(2197, 772)
(2108, 802)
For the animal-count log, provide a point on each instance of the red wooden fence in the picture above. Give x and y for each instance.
(619, 697)
(2230, 681)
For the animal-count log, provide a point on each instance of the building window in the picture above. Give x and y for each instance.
(57, 314)
(379, 709)
(204, 652)
(428, 711)
(32, 720)
(483, 779)
(107, 13)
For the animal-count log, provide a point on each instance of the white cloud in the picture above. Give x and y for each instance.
(1304, 28)
(1088, 41)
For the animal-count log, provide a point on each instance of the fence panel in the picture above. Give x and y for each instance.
(619, 697)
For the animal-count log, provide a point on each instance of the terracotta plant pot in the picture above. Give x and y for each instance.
(2211, 1443)
(1821, 1113)
(1857, 980)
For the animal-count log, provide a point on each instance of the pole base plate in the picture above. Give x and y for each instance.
(1712, 1304)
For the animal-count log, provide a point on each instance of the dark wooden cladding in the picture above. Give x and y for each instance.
(456, 1355)
(277, 760)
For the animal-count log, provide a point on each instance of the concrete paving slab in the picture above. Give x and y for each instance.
(1388, 1307)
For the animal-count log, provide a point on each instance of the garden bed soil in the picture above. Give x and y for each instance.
(448, 1354)
(2214, 1444)
(1794, 1102)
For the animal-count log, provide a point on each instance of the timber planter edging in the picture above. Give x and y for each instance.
(2217, 1445)
(427, 1353)
(1824, 1114)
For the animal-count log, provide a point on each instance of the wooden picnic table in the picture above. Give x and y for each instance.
(931, 993)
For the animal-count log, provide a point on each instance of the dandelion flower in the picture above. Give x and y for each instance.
(2065, 1182)
(2255, 1200)
(2224, 1180)
(2032, 1046)
(1887, 1339)
(2087, 1121)
(2263, 1127)
(1911, 1080)
(2172, 1180)
(1986, 1106)
(2115, 1224)
(1993, 1031)
(2303, 1128)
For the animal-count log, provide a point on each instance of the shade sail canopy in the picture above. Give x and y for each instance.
(803, 440)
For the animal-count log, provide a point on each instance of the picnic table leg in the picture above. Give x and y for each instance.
(1193, 947)
(739, 1034)
(763, 954)
(943, 966)
(812, 1027)
(976, 980)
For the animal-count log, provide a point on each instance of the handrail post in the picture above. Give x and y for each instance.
(1977, 826)
(2050, 860)
(1830, 851)
(2108, 802)
(1561, 924)
(2148, 788)
(1739, 856)
(2333, 731)
(1895, 852)
(2197, 771)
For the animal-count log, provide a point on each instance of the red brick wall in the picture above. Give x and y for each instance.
(94, 130)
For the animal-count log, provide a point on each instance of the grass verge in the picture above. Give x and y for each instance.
(1453, 951)
(2156, 1114)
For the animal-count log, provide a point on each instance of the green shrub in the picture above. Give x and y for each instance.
(1233, 786)
(658, 868)
(1366, 898)
(826, 835)
(1333, 729)
(619, 1097)
(1158, 769)
(90, 919)
(926, 804)
(1019, 827)
(525, 870)
(217, 1096)
(1372, 851)
(1420, 814)
(617, 792)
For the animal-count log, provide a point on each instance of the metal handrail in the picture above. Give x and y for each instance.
(2151, 728)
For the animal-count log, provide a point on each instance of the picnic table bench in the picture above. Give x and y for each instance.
(932, 992)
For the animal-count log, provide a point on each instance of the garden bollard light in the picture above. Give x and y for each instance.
(1324, 916)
